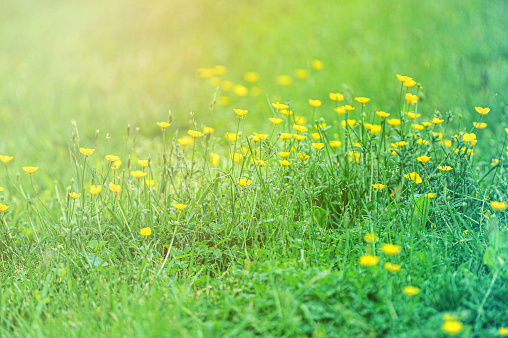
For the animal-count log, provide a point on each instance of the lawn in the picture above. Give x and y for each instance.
(217, 168)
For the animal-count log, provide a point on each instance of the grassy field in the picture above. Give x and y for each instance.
(328, 222)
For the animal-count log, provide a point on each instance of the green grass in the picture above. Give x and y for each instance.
(279, 257)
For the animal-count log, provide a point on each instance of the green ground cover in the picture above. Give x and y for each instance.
(296, 248)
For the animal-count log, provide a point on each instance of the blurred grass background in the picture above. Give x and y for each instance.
(109, 63)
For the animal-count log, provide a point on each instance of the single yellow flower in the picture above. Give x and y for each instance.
(421, 141)
(301, 73)
(185, 141)
(424, 158)
(138, 174)
(444, 167)
(414, 177)
(317, 64)
(436, 120)
(236, 157)
(195, 133)
(280, 106)
(148, 183)
(430, 195)
(391, 249)
(232, 137)
(350, 123)
(300, 119)
(299, 137)
(1, 188)
(3, 207)
(163, 125)
(208, 130)
(145, 232)
(378, 186)
(318, 146)
(286, 136)
(240, 90)
(260, 162)
(498, 206)
(410, 291)
(314, 103)
(336, 97)
(6, 159)
(240, 112)
(482, 111)
(116, 165)
(503, 331)
(411, 99)
(179, 206)
(283, 154)
(284, 80)
(215, 159)
(74, 195)
(480, 125)
(452, 327)
(144, 163)
(112, 158)
(469, 138)
(382, 114)
(86, 151)
(392, 267)
(335, 144)
(302, 156)
(417, 126)
(368, 260)
(299, 128)
(354, 155)
(285, 162)
(362, 100)
(506, 130)
(446, 143)
(259, 137)
(95, 190)
(243, 182)
(375, 129)
(393, 122)
(115, 188)
(275, 120)
(315, 136)
(409, 83)
(251, 77)
(403, 78)
(370, 237)
(340, 110)
(320, 126)
(413, 116)
(30, 170)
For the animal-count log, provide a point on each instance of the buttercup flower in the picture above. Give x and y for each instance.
(231, 137)
(391, 249)
(317, 64)
(444, 167)
(318, 146)
(436, 120)
(116, 165)
(302, 156)
(284, 80)
(411, 99)
(148, 183)
(240, 112)
(424, 159)
(3, 207)
(336, 97)
(138, 174)
(482, 111)
(379, 186)
(299, 137)
(315, 136)
(6, 159)
(74, 195)
(393, 122)
(163, 125)
(240, 90)
(236, 156)
(427, 124)
(145, 232)
(391, 267)
(275, 120)
(300, 119)
(452, 327)
(314, 103)
(350, 123)
(243, 182)
(115, 188)
(480, 125)
(340, 110)
(251, 77)
(409, 83)
(194, 133)
(414, 177)
(413, 116)
(95, 189)
(179, 206)
(280, 106)
(300, 129)
(368, 260)
(335, 144)
(286, 136)
(112, 158)
(30, 170)
(86, 151)
(362, 100)
(285, 162)
(403, 78)
(144, 163)
(498, 206)
(208, 130)
(283, 154)
(410, 291)
(370, 237)
(301, 73)
(382, 114)
(430, 195)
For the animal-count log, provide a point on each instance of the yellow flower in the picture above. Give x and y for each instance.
(317, 64)
(112, 158)
(280, 106)
(469, 138)
(236, 156)
(424, 158)
(1, 189)
(86, 151)
(315, 136)
(300, 119)
(226, 85)
(240, 112)
(398, 144)
(444, 167)
(6, 159)
(231, 137)
(409, 83)
(283, 154)
(362, 100)
(426, 124)
(314, 103)
(414, 177)
(208, 130)
(251, 77)
(494, 161)
(417, 126)
(318, 146)
(301, 73)
(115, 188)
(403, 78)
(340, 110)
(116, 165)
(194, 133)
(74, 195)
(505, 129)
(356, 155)
(260, 162)
(446, 143)
(368, 260)
(302, 156)
(436, 120)
(285, 162)
(370, 237)
(335, 144)
(243, 182)
(138, 174)
(163, 125)
(144, 163)
(286, 136)
(391, 249)
(393, 122)
(382, 114)
(503, 331)
(275, 120)
(392, 267)
(421, 141)
(452, 327)
(3, 207)
(411, 99)
(413, 116)
(205, 72)
(259, 137)
(145, 232)
(299, 137)
(300, 129)
(480, 125)
(185, 141)
(179, 206)
(286, 112)
(240, 90)
(482, 111)
(148, 183)
(375, 129)
(498, 206)
(95, 190)
(410, 291)
(336, 97)
(284, 80)
(348, 108)
(30, 170)
(379, 186)
(350, 122)
(430, 195)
